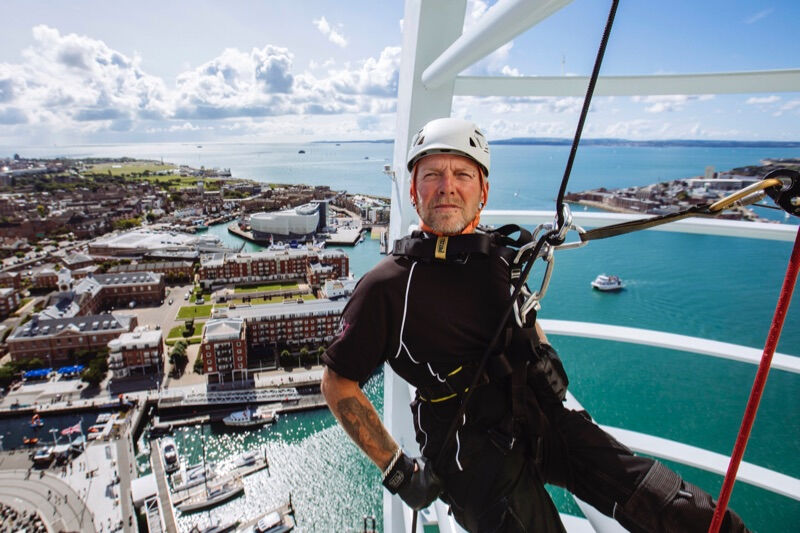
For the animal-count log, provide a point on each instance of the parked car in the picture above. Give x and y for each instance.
(170, 301)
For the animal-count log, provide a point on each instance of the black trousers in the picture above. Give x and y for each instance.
(502, 489)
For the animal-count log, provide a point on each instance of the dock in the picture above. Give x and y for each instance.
(164, 501)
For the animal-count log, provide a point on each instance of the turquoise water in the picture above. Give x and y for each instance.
(720, 288)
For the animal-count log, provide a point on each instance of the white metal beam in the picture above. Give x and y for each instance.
(429, 27)
(500, 24)
(700, 458)
(703, 226)
(684, 343)
(714, 83)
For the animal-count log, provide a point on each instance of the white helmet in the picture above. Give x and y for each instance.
(450, 135)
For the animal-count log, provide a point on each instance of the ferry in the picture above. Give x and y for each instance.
(249, 418)
(607, 283)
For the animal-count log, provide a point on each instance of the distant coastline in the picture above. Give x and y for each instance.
(555, 141)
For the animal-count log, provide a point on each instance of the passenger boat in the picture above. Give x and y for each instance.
(607, 283)
(171, 462)
(209, 497)
(249, 418)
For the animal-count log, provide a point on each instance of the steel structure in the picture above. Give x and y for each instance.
(435, 50)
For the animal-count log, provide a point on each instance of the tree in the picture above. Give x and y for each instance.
(287, 360)
(320, 353)
(198, 364)
(306, 358)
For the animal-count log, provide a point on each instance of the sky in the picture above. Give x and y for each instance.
(94, 72)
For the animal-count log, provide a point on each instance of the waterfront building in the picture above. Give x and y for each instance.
(57, 340)
(269, 265)
(9, 301)
(300, 223)
(224, 349)
(294, 323)
(139, 352)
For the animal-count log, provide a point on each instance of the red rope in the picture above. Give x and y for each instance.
(758, 384)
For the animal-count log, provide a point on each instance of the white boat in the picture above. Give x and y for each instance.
(171, 462)
(249, 418)
(43, 456)
(192, 476)
(607, 283)
(212, 496)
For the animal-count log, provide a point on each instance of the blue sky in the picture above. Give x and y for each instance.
(94, 71)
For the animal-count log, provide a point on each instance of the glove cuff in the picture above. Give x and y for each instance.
(399, 472)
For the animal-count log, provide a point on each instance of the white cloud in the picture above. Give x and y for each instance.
(77, 84)
(669, 102)
(758, 16)
(333, 36)
(763, 99)
(75, 81)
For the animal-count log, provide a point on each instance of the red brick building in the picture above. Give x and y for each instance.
(11, 279)
(270, 265)
(224, 350)
(9, 301)
(139, 352)
(56, 340)
(296, 323)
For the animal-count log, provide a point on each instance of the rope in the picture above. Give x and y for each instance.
(587, 101)
(758, 384)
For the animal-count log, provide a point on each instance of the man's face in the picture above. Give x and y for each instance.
(448, 192)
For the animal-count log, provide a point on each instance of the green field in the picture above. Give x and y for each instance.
(138, 167)
(176, 333)
(268, 287)
(194, 311)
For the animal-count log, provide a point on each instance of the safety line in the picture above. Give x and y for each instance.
(587, 101)
(758, 384)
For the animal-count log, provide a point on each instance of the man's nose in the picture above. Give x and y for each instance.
(447, 182)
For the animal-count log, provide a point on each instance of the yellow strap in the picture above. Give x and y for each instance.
(454, 372)
(441, 248)
(441, 399)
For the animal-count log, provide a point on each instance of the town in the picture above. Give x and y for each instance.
(673, 196)
(113, 294)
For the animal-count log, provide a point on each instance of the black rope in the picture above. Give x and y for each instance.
(587, 101)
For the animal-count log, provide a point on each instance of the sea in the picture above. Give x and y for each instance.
(719, 288)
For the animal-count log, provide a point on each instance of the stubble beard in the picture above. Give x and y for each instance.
(447, 223)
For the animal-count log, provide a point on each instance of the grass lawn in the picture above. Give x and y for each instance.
(138, 167)
(268, 287)
(177, 332)
(190, 340)
(194, 311)
(273, 300)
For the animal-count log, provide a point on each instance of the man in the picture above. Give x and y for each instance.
(431, 316)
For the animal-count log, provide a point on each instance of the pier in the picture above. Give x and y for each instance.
(164, 500)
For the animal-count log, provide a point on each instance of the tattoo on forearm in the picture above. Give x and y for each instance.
(364, 427)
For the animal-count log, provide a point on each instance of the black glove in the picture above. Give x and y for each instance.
(549, 372)
(414, 480)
